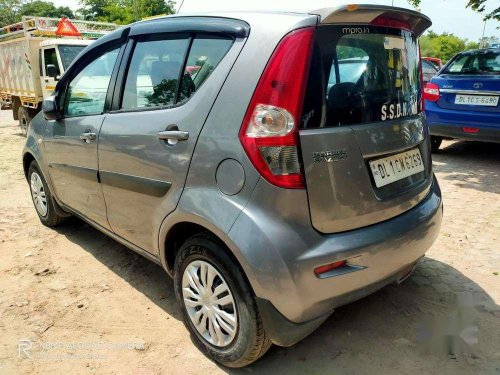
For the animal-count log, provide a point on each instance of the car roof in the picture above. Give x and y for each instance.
(481, 50)
(342, 13)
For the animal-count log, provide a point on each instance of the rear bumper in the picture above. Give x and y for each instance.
(279, 260)
(456, 131)
(450, 123)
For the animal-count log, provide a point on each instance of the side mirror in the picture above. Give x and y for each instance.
(50, 110)
(51, 71)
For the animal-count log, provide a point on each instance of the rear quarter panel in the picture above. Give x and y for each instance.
(202, 201)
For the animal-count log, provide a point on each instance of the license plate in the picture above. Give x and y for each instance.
(490, 101)
(396, 167)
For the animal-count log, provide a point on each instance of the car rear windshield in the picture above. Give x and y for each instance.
(360, 75)
(478, 62)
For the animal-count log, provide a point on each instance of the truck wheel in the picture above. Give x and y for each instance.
(435, 143)
(218, 305)
(24, 120)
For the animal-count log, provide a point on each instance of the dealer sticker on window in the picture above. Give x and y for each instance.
(396, 167)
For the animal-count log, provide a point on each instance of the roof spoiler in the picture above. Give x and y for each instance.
(366, 14)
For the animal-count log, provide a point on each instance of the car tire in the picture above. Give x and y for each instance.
(24, 118)
(239, 343)
(435, 143)
(42, 198)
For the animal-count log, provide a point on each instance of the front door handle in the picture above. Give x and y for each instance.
(88, 137)
(173, 136)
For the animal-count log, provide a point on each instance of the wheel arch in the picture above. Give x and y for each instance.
(174, 234)
(28, 158)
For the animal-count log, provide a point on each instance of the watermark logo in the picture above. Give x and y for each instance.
(24, 348)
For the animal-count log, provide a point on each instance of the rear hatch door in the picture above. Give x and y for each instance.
(363, 140)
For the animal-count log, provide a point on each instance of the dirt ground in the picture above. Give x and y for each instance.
(74, 301)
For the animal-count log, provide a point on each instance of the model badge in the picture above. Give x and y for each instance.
(329, 156)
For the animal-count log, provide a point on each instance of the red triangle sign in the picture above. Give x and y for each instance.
(66, 28)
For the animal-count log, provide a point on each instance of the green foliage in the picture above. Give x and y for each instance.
(45, 9)
(11, 11)
(124, 11)
(444, 46)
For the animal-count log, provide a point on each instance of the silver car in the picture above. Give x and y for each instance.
(232, 150)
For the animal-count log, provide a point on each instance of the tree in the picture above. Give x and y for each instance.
(445, 45)
(9, 10)
(44, 9)
(476, 5)
(124, 11)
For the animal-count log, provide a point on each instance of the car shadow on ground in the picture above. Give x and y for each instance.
(401, 322)
(473, 165)
(144, 275)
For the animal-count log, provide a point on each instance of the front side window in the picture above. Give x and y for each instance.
(50, 58)
(86, 92)
(68, 53)
(479, 62)
(362, 75)
(158, 76)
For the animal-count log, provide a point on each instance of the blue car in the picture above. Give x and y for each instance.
(462, 100)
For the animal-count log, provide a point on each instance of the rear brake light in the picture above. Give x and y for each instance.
(269, 132)
(470, 130)
(329, 267)
(390, 22)
(431, 92)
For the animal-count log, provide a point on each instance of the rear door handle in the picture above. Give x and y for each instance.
(88, 137)
(173, 136)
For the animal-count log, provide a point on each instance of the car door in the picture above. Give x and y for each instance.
(71, 143)
(146, 143)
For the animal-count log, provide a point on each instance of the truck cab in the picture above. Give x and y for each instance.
(55, 56)
(35, 54)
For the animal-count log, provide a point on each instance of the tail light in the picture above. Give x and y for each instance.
(269, 132)
(431, 92)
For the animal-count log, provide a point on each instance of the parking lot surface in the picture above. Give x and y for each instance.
(74, 300)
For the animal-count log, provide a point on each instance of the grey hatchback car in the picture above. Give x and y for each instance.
(231, 149)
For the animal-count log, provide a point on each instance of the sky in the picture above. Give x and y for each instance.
(446, 15)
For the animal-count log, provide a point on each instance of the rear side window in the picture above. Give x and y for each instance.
(165, 72)
(205, 54)
(154, 72)
(362, 75)
(479, 62)
(428, 68)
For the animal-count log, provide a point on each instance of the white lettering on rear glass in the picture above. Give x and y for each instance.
(356, 30)
(393, 111)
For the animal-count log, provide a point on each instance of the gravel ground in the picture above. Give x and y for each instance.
(82, 303)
